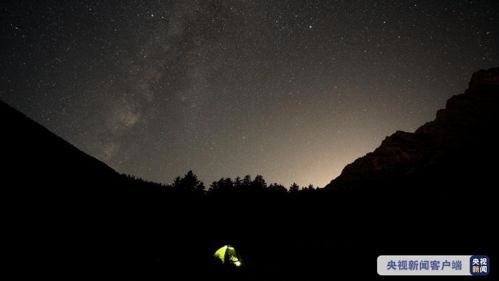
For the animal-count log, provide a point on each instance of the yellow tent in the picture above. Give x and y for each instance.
(228, 255)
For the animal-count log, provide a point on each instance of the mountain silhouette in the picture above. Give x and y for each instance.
(65, 208)
(68, 215)
(29, 147)
(460, 142)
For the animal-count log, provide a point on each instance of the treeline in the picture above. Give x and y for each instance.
(190, 184)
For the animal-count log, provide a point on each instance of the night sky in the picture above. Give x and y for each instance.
(291, 90)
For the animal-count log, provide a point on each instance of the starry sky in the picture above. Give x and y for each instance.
(291, 90)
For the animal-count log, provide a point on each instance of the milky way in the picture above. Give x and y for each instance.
(292, 90)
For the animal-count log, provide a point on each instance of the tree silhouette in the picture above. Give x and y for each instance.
(258, 183)
(246, 181)
(237, 182)
(223, 185)
(294, 188)
(188, 184)
(275, 187)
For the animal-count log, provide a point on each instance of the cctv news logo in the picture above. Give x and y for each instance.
(459, 265)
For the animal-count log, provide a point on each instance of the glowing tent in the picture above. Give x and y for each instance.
(228, 255)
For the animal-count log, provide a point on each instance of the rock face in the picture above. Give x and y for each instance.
(462, 138)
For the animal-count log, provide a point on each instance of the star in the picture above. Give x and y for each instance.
(140, 95)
